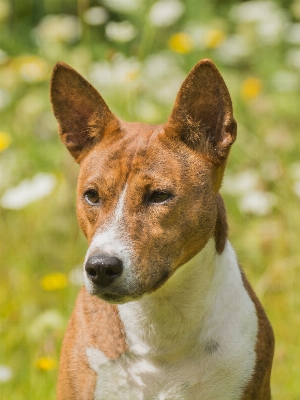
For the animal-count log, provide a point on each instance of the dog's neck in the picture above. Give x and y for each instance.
(171, 319)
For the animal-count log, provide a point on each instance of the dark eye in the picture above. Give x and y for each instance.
(92, 197)
(159, 197)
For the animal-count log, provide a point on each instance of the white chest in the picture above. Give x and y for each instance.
(198, 345)
(134, 378)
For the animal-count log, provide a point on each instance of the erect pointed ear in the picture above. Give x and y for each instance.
(82, 114)
(202, 114)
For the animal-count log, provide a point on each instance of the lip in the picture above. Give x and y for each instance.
(113, 299)
(116, 299)
(109, 294)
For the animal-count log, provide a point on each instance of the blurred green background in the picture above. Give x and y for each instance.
(136, 53)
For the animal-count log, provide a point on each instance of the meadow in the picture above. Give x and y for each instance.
(137, 53)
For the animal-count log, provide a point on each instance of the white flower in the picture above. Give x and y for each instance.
(30, 105)
(101, 74)
(270, 20)
(160, 66)
(297, 188)
(271, 30)
(147, 111)
(28, 191)
(295, 174)
(167, 90)
(5, 373)
(120, 31)
(95, 16)
(76, 276)
(233, 49)
(285, 81)
(33, 69)
(280, 137)
(271, 170)
(198, 34)
(165, 12)
(295, 170)
(293, 34)
(58, 28)
(123, 5)
(162, 77)
(293, 58)
(257, 202)
(253, 11)
(3, 56)
(118, 72)
(241, 183)
(5, 98)
(48, 320)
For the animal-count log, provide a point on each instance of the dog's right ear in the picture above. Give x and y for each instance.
(82, 114)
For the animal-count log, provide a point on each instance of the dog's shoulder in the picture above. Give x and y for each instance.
(94, 328)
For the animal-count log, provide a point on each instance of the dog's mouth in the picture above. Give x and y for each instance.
(120, 292)
(117, 299)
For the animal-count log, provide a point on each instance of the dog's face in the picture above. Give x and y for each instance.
(147, 200)
(147, 194)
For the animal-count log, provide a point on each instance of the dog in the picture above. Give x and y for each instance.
(166, 311)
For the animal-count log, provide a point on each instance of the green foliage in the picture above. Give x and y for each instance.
(137, 57)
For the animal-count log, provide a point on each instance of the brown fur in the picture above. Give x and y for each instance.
(76, 107)
(189, 151)
(259, 387)
(104, 332)
(130, 161)
(221, 228)
(203, 108)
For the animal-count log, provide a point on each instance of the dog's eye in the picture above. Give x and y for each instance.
(92, 197)
(159, 197)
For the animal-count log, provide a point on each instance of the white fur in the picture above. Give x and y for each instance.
(111, 240)
(192, 339)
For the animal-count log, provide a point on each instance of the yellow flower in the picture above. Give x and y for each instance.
(5, 141)
(54, 281)
(214, 38)
(250, 88)
(45, 363)
(181, 43)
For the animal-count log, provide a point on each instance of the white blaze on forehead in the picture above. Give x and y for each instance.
(112, 239)
(118, 213)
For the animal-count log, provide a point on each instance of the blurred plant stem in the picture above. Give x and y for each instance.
(147, 39)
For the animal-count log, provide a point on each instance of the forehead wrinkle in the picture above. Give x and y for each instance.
(111, 165)
(125, 151)
(143, 145)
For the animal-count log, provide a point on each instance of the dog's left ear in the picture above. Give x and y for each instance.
(202, 114)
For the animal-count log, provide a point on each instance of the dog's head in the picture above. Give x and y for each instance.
(147, 194)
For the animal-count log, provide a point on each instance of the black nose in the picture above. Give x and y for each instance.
(102, 270)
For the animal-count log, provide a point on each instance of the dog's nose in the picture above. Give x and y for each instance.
(102, 270)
